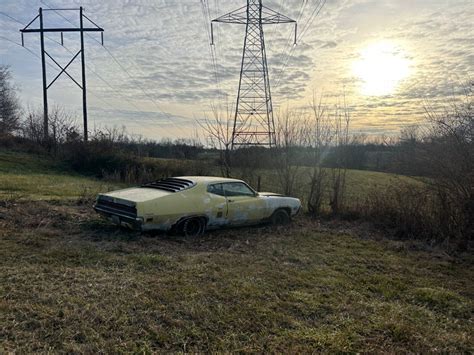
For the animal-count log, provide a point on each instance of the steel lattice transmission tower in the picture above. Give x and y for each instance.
(253, 121)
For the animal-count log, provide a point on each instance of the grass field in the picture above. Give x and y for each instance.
(359, 183)
(37, 177)
(71, 282)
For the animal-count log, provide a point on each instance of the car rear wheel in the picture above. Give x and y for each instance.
(194, 227)
(280, 217)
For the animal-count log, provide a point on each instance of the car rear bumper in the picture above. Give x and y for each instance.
(118, 218)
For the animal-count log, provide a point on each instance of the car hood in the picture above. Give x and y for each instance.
(137, 194)
(269, 194)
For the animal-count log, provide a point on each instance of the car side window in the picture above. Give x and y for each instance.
(216, 189)
(237, 189)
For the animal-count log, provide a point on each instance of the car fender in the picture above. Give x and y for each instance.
(275, 202)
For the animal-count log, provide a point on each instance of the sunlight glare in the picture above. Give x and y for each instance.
(381, 67)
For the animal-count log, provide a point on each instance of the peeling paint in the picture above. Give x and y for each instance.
(167, 209)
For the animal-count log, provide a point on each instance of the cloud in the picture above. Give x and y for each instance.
(164, 48)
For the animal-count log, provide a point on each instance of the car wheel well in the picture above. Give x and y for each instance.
(179, 226)
(286, 209)
(275, 219)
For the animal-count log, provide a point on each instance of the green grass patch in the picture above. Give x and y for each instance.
(37, 177)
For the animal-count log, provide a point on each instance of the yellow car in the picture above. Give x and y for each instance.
(193, 204)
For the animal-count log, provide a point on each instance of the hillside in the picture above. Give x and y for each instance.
(37, 177)
(71, 282)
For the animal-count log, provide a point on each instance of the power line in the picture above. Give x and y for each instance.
(42, 30)
(126, 72)
(29, 50)
(95, 95)
(289, 46)
(313, 15)
(207, 18)
(253, 121)
(88, 67)
(289, 49)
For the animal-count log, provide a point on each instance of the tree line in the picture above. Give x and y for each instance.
(315, 143)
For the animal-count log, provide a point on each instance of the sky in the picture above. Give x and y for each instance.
(387, 60)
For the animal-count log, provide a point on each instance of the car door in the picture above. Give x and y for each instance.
(243, 204)
(218, 205)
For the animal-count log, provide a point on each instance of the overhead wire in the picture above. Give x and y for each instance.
(207, 20)
(122, 67)
(289, 48)
(287, 55)
(26, 48)
(218, 51)
(313, 15)
(290, 37)
(88, 67)
(49, 64)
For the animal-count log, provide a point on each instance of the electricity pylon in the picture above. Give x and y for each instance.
(81, 29)
(253, 121)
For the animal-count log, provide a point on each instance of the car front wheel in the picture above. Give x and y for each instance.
(194, 227)
(280, 217)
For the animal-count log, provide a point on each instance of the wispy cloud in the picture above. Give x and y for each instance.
(164, 47)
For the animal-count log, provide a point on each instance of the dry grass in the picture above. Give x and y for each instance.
(71, 282)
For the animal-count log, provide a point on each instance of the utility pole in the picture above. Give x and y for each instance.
(81, 29)
(253, 121)
(43, 67)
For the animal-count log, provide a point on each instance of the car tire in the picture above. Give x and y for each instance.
(193, 227)
(280, 217)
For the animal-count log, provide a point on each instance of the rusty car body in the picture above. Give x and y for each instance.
(193, 204)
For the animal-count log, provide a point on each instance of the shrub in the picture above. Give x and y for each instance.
(416, 211)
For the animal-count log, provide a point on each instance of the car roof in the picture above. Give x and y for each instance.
(207, 179)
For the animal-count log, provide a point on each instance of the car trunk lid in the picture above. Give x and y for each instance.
(137, 194)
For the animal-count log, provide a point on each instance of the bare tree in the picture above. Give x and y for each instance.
(318, 139)
(447, 151)
(218, 128)
(9, 105)
(32, 127)
(407, 161)
(341, 137)
(62, 127)
(111, 135)
(289, 140)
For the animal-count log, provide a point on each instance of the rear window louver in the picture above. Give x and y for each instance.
(171, 184)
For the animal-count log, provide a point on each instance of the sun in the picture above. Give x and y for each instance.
(380, 67)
